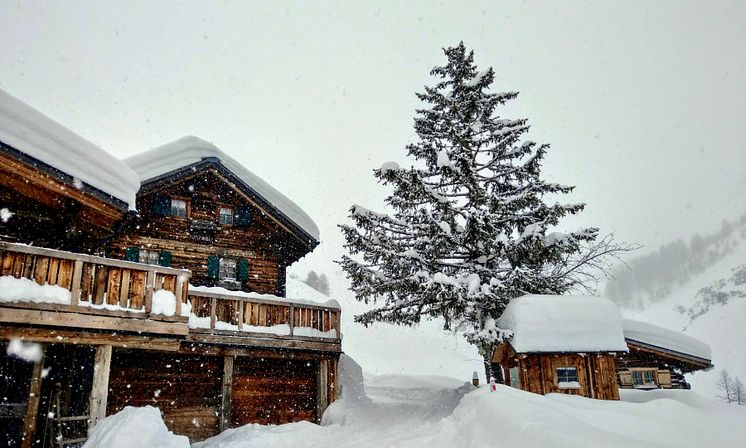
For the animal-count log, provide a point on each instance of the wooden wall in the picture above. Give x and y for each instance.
(186, 388)
(538, 372)
(267, 246)
(273, 391)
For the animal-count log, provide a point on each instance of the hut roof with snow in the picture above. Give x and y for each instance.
(662, 339)
(30, 134)
(192, 153)
(563, 324)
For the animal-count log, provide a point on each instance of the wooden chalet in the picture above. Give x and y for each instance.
(561, 344)
(180, 306)
(658, 357)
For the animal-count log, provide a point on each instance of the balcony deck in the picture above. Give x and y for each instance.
(78, 298)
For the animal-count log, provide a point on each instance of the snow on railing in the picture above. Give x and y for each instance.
(241, 312)
(40, 275)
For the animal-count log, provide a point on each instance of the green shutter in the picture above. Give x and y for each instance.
(132, 254)
(161, 205)
(243, 216)
(242, 269)
(164, 259)
(212, 266)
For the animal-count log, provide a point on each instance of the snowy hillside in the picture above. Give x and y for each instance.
(383, 349)
(710, 306)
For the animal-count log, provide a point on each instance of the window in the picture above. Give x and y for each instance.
(567, 376)
(227, 269)
(178, 208)
(515, 379)
(643, 377)
(148, 256)
(226, 215)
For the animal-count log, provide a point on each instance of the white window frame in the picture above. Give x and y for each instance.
(178, 208)
(567, 378)
(231, 214)
(225, 266)
(149, 256)
(644, 375)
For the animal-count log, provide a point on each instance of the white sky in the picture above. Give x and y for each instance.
(644, 103)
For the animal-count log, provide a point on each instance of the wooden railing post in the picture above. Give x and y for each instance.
(149, 286)
(213, 313)
(77, 276)
(179, 290)
(240, 315)
(100, 386)
(292, 318)
(338, 323)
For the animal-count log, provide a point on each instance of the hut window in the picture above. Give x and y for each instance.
(567, 375)
(227, 269)
(515, 378)
(643, 377)
(149, 256)
(226, 215)
(178, 208)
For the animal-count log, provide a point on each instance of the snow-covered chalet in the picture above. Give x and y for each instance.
(158, 280)
(580, 345)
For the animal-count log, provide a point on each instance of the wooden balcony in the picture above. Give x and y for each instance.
(233, 317)
(76, 291)
(75, 298)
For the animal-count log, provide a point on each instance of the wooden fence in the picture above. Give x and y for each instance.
(93, 279)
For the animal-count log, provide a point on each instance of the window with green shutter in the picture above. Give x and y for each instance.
(162, 205)
(165, 258)
(213, 266)
(242, 269)
(132, 254)
(243, 216)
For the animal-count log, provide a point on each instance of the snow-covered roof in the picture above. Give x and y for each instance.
(552, 323)
(189, 150)
(664, 338)
(36, 135)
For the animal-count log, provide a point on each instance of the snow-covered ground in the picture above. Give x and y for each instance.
(433, 411)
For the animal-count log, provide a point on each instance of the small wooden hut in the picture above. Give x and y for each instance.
(561, 344)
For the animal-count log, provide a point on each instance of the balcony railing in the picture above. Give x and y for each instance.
(64, 289)
(244, 313)
(91, 281)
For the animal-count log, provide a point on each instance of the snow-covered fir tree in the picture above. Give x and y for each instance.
(471, 227)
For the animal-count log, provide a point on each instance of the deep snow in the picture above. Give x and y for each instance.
(432, 412)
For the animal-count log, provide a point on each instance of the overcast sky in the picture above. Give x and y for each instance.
(644, 103)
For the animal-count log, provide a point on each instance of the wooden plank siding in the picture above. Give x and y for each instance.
(267, 246)
(538, 372)
(273, 391)
(186, 388)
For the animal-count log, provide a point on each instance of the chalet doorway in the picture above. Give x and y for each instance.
(273, 391)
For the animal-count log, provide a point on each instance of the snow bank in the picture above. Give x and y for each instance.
(188, 150)
(135, 427)
(546, 323)
(164, 302)
(664, 338)
(25, 290)
(27, 351)
(33, 133)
